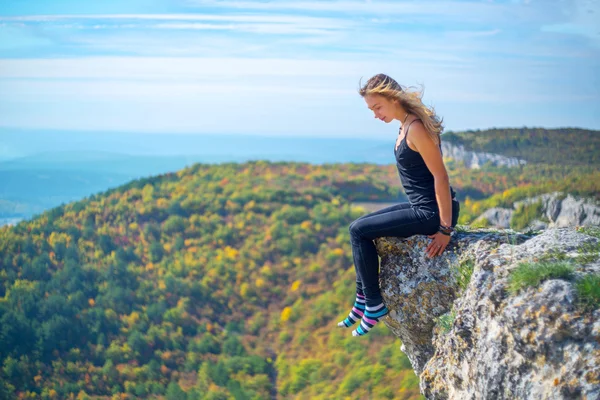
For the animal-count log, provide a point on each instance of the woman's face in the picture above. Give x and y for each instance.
(383, 108)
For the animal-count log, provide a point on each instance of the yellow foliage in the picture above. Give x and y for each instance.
(338, 252)
(260, 282)
(149, 266)
(56, 237)
(295, 285)
(306, 225)
(91, 302)
(507, 193)
(266, 270)
(167, 247)
(131, 319)
(162, 285)
(244, 289)
(335, 201)
(133, 226)
(285, 314)
(162, 203)
(189, 259)
(358, 210)
(52, 393)
(231, 253)
(82, 395)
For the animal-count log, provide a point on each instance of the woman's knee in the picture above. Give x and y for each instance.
(354, 228)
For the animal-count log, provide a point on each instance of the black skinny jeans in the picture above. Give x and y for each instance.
(400, 220)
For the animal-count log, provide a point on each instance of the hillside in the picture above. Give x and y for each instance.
(217, 281)
(567, 146)
(60, 167)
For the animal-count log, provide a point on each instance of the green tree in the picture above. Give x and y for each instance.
(175, 392)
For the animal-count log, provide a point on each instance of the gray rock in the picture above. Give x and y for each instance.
(498, 217)
(537, 225)
(558, 210)
(476, 160)
(537, 344)
(566, 210)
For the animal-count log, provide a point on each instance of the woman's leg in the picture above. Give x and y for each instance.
(395, 207)
(400, 222)
(358, 308)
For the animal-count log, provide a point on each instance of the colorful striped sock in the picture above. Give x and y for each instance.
(356, 313)
(371, 317)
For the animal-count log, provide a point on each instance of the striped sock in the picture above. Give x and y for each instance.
(356, 313)
(371, 317)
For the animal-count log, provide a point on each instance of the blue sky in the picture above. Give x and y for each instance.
(292, 67)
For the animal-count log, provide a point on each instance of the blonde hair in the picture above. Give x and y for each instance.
(387, 87)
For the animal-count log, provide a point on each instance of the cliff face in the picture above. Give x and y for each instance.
(537, 343)
(556, 210)
(473, 159)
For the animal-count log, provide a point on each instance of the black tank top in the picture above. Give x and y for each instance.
(417, 180)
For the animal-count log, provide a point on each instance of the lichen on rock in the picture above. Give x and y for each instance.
(538, 343)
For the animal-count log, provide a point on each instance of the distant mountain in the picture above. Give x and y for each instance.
(213, 148)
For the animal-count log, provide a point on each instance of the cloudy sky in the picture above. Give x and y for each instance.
(292, 67)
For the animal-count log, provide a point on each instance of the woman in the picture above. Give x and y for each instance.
(431, 208)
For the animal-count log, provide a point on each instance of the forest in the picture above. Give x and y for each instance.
(218, 282)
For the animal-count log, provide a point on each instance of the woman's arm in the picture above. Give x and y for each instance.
(432, 156)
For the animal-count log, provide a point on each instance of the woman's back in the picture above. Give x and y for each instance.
(417, 180)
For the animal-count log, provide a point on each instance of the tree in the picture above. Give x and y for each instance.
(174, 392)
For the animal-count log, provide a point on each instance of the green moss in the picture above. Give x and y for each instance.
(461, 228)
(553, 256)
(589, 252)
(445, 321)
(463, 273)
(590, 231)
(532, 274)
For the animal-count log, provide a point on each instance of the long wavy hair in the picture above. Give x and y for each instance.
(387, 87)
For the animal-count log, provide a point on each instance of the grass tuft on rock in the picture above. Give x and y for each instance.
(588, 291)
(533, 273)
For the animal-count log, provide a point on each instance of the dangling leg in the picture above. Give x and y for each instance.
(398, 221)
(358, 309)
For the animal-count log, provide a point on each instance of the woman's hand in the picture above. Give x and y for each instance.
(438, 244)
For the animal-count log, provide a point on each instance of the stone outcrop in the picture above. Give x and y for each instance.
(557, 210)
(475, 160)
(538, 343)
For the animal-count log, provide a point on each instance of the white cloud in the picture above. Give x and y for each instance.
(442, 8)
(172, 68)
(294, 19)
(290, 73)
